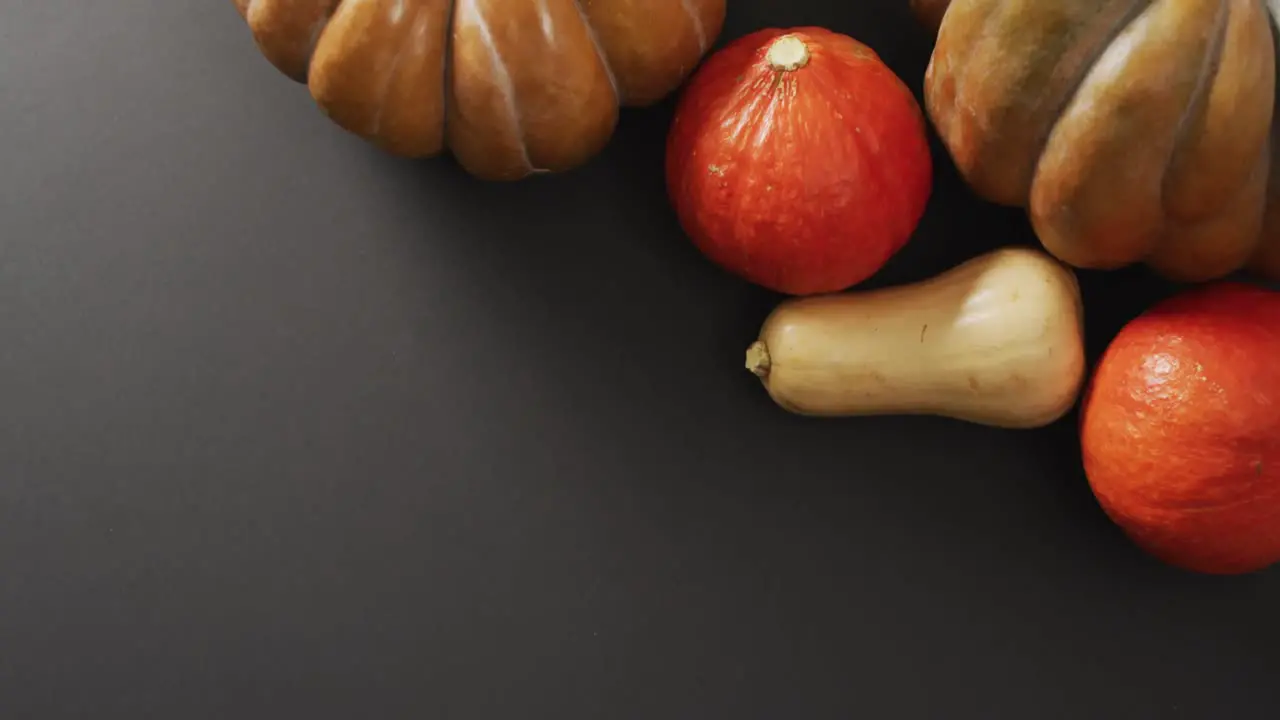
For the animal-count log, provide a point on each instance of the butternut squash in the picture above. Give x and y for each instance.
(997, 340)
(1130, 130)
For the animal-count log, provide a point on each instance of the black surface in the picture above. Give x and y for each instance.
(292, 429)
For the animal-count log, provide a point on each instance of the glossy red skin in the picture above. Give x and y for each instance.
(1180, 429)
(803, 182)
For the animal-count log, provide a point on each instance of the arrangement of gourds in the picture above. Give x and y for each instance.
(1130, 131)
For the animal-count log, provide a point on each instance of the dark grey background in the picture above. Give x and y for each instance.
(293, 429)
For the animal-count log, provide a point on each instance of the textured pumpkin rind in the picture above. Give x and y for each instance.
(1266, 261)
(1180, 429)
(509, 87)
(1130, 130)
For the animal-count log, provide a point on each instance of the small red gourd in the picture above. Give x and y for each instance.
(1180, 429)
(798, 160)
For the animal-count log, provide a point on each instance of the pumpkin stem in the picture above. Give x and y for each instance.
(758, 358)
(787, 53)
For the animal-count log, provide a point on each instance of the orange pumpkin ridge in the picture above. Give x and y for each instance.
(1130, 131)
(509, 87)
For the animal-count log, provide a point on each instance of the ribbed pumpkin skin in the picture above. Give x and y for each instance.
(509, 87)
(1130, 130)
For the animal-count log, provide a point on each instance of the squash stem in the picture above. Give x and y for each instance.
(787, 53)
(758, 358)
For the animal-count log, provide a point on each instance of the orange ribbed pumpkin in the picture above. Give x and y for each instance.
(1130, 131)
(510, 87)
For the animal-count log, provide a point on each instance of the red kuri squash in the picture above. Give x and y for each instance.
(798, 160)
(1180, 429)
